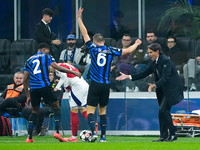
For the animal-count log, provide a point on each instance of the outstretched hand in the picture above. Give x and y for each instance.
(122, 77)
(151, 87)
(79, 12)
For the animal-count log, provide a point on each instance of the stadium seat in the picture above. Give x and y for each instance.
(5, 79)
(14, 121)
(110, 42)
(161, 41)
(4, 55)
(119, 42)
(20, 51)
(187, 44)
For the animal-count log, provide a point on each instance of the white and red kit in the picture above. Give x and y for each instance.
(79, 87)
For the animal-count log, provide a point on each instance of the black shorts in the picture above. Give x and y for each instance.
(98, 94)
(47, 93)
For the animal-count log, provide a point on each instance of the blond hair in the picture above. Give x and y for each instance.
(98, 38)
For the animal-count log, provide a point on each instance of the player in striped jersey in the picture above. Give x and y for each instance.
(77, 97)
(36, 76)
(99, 89)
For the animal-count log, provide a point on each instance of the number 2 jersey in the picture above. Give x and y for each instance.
(101, 60)
(38, 65)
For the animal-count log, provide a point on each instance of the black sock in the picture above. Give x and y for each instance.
(31, 124)
(57, 116)
(103, 124)
(91, 122)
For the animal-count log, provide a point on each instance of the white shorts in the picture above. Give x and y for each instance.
(78, 94)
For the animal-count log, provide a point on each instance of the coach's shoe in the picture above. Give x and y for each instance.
(71, 139)
(35, 132)
(29, 140)
(159, 140)
(59, 137)
(43, 130)
(103, 139)
(93, 138)
(171, 138)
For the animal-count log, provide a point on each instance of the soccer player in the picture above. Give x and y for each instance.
(99, 74)
(77, 97)
(36, 76)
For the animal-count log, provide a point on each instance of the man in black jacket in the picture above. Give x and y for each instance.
(13, 96)
(168, 89)
(44, 33)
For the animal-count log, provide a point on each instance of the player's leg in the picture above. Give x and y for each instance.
(91, 122)
(57, 115)
(103, 102)
(74, 125)
(84, 112)
(33, 120)
(50, 98)
(35, 102)
(77, 98)
(103, 123)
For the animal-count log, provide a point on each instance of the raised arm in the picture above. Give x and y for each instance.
(131, 48)
(65, 70)
(82, 26)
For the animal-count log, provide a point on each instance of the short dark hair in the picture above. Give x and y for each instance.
(173, 37)
(126, 34)
(154, 47)
(48, 11)
(98, 37)
(43, 45)
(151, 31)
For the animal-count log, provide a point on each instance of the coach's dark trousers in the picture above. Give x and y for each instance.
(165, 120)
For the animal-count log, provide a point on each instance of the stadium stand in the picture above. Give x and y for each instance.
(110, 42)
(4, 55)
(20, 51)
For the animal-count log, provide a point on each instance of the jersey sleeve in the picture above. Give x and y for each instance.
(90, 45)
(116, 51)
(51, 59)
(62, 80)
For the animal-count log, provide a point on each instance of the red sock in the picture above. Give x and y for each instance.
(84, 114)
(74, 123)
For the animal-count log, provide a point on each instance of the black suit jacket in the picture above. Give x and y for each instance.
(167, 80)
(43, 34)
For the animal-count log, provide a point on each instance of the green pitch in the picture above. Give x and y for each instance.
(113, 143)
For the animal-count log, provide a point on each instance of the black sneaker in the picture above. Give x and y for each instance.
(43, 130)
(35, 132)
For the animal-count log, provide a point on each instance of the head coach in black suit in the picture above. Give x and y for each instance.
(168, 89)
(44, 33)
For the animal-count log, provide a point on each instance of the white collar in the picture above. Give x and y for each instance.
(157, 59)
(44, 22)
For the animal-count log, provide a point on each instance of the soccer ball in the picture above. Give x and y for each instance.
(85, 135)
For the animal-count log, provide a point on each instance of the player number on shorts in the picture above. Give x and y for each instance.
(101, 59)
(36, 71)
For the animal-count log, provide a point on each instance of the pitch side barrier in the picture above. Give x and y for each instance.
(133, 113)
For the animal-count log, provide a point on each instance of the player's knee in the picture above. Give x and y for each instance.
(55, 105)
(74, 110)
